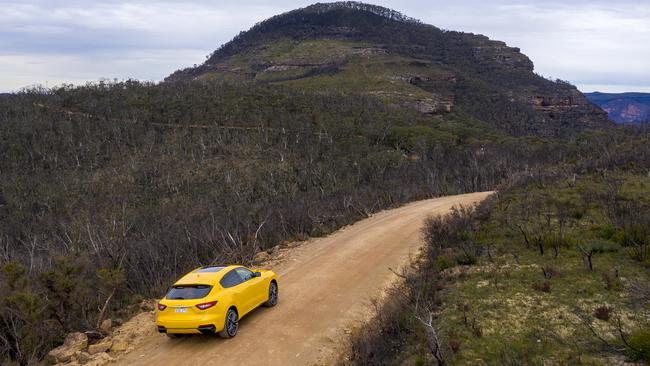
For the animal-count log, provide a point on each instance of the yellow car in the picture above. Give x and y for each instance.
(212, 299)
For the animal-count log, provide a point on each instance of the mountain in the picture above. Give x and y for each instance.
(624, 107)
(379, 52)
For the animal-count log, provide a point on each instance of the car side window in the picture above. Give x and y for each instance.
(244, 273)
(231, 279)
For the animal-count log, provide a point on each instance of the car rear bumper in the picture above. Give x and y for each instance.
(203, 329)
(204, 324)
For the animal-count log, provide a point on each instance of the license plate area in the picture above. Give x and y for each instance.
(181, 310)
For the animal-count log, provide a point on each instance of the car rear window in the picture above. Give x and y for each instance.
(188, 292)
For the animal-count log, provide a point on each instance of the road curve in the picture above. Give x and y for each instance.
(325, 288)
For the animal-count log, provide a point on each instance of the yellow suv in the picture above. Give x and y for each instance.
(212, 299)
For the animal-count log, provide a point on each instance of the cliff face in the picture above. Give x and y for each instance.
(569, 103)
(497, 53)
(368, 49)
(629, 111)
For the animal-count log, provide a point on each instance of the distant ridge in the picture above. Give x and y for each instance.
(630, 108)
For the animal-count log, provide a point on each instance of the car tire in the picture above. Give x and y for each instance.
(231, 324)
(273, 295)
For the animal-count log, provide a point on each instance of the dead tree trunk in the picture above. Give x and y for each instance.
(433, 342)
(587, 256)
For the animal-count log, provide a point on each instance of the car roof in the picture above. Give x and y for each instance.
(206, 275)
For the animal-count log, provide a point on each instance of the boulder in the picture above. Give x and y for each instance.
(106, 325)
(100, 347)
(262, 257)
(73, 343)
(119, 346)
(82, 357)
(425, 107)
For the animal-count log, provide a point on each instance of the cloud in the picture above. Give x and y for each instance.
(590, 43)
(587, 43)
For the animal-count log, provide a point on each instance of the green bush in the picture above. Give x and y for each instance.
(466, 259)
(639, 345)
(634, 235)
(604, 231)
(443, 262)
(604, 246)
(524, 350)
(420, 361)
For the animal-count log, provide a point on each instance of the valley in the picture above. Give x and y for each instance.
(631, 108)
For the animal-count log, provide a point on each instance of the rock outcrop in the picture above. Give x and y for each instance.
(106, 326)
(74, 342)
(123, 338)
(497, 53)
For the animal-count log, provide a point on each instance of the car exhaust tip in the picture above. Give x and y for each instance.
(207, 329)
(162, 329)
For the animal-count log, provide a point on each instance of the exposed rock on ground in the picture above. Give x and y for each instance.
(106, 326)
(123, 339)
(73, 343)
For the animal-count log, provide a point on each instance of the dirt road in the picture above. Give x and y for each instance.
(325, 288)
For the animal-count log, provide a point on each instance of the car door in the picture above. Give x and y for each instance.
(233, 283)
(253, 287)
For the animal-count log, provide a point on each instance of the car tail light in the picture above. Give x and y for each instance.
(161, 307)
(206, 305)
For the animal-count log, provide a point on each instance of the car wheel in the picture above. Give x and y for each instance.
(273, 295)
(231, 324)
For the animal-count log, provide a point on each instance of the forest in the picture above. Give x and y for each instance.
(111, 190)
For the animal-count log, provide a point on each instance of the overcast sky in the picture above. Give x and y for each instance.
(597, 45)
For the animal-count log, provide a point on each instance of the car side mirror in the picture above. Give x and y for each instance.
(257, 274)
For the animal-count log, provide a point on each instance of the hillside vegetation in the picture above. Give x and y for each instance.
(376, 51)
(111, 191)
(311, 120)
(553, 269)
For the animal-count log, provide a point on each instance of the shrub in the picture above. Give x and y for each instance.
(639, 345)
(477, 329)
(522, 350)
(603, 312)
(454, 345)
(420, 361)
(612, 282)
(608, 232)
(444, 262)
(542, 286)
(604, 246)
(466, 259)
(634, 235)
(550, 271)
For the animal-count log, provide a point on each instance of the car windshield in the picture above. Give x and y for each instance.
(188, 292)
